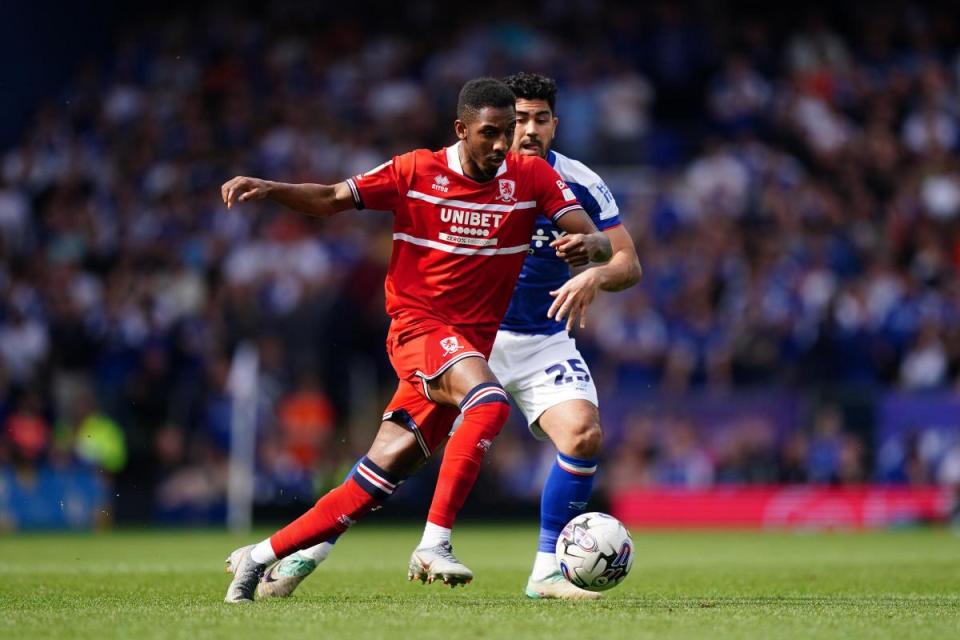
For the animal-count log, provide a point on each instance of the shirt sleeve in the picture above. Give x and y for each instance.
(554, 198)
(382, 187)
(598, 202)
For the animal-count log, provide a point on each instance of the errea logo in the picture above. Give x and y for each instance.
(441, 184)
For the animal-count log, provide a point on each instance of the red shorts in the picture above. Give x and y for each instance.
(417, 361)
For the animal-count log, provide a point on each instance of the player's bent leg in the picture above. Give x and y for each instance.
(282, 579)
(574, 427)
(394, 454)
(484, 408)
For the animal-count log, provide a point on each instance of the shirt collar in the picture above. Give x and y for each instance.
(453, 161)
(453, 158)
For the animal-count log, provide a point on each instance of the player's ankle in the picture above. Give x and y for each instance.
(262, 553)
(544, 566)
(434, 534)
(317, 553)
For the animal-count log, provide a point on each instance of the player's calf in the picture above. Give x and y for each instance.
(574, 427)
(333, 514)
(367, 488)
(485, 410)
(283, 578)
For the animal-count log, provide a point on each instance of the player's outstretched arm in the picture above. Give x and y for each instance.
(622, 272)
(583, 243)
(311, 199)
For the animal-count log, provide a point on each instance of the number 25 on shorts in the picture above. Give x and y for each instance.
(567, 372)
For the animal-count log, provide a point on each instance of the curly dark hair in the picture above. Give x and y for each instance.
(479, 93)
(533, 86)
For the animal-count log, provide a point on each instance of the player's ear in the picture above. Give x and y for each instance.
(460, 128)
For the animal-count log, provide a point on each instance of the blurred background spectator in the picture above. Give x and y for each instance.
(789, 175)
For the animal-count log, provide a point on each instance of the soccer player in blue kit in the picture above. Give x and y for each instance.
(534, 357)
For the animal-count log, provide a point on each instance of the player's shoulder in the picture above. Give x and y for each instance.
(529, 167)
(417, 160)
(420, 156)
(525, 162)
(574, 171)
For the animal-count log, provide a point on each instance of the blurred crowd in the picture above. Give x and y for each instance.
(752, 449)
(791, 181)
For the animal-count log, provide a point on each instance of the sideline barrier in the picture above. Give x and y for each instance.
(776, 507)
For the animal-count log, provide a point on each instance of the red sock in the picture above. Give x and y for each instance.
(485, 411)
(335, 512)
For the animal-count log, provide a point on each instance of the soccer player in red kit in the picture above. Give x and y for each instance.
(463, 218)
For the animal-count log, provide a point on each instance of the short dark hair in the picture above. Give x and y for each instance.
(480, 93)
(533, 86)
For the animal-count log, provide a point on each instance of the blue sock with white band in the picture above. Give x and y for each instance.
(565, 496)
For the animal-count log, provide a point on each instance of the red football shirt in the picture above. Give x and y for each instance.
(458, 244)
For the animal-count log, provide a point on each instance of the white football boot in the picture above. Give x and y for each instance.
(246, 575)
(556, 587)
(428, 564)
(285, 576)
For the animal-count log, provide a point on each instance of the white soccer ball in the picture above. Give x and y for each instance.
(595, 551)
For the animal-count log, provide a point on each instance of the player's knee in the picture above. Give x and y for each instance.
(396, 450)
(584, 439)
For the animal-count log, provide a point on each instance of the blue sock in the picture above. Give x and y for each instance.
(353, 470)
(565, 496)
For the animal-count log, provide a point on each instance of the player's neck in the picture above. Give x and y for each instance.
(470, 168)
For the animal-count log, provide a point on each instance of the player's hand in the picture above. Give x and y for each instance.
(572, 299)
(242, 188)
(572, 249)
(578, 249)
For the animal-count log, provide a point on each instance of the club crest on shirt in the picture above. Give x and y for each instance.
(507, 189)
(450, 346)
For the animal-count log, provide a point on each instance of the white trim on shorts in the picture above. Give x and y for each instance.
(424, 378)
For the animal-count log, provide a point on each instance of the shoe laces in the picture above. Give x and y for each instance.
(445, 551)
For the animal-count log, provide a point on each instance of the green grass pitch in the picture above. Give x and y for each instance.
(158, 584)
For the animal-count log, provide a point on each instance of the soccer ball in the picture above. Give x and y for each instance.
(595, 551)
